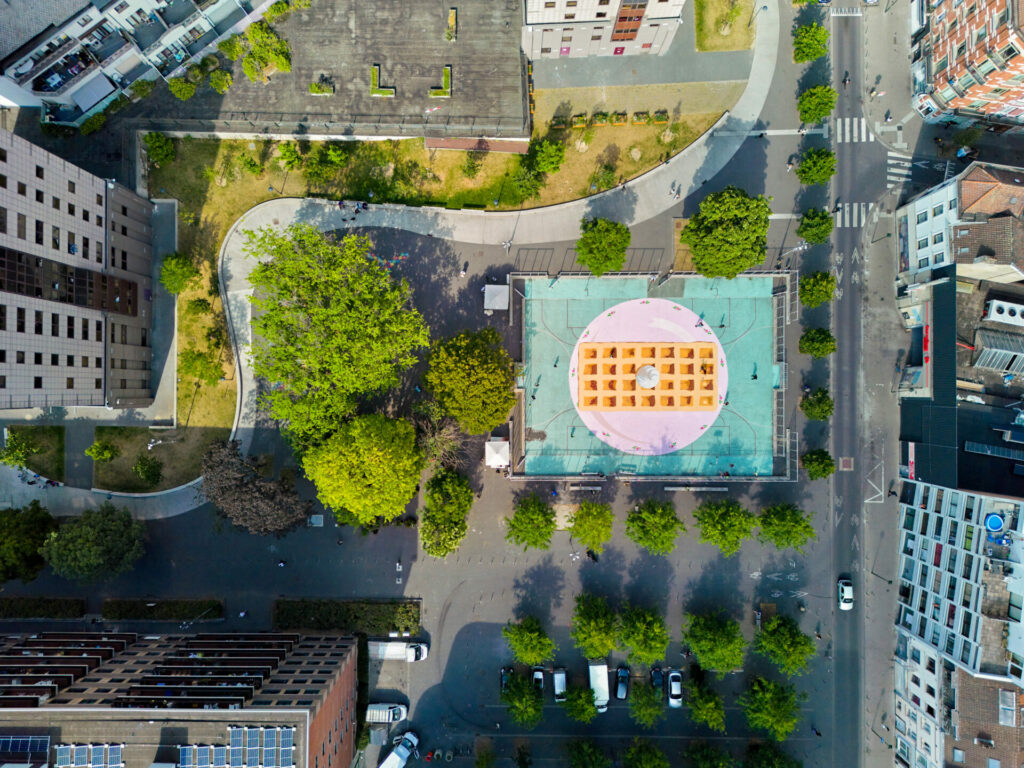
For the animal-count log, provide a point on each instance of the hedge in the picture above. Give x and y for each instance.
(371, 617)
(41, 608)
(162, 610)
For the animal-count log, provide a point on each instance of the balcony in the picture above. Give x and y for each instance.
(65, 73)
(147, 35)
(995, 599)
(993, 647)
(44, 61)
(109, 47)
(199, 43)
(178, 12)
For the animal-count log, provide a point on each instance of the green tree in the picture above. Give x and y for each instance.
(148, 469)
(579, 704)
(100, 543)
(102, 451)
(644, 633)
(366, 471)
(159, 148)
(22, 533)
(181, 88)
(818, 463)
(817, 342)
(785, 525)
(602, 245)
(484, 757)
(706, 706)
(643, 754)
(817, 288)
(700, 754)
(532, 523)
(782, 642)
(250, 165)
(524, 702)
(19, 447)
(529, 642)
(729, 233)
(329, 327)
(141, 88)
(645, 705)
(92, 123)
(816, 103)
(772, 707)
(177, 273)
(768, 755)
(818, 405)
(232, 47)
(816, 226)
(546, 156)
(443, 522)
(715, 640)
(810, 42)
(654, 526)
(591, 525)
(291, 157)
(472, 378)
(816, 166)
(526, 183)
(725, 524)
(221, 80)
(202, 365)
(602, 178)
(586, 754)
(595, 627)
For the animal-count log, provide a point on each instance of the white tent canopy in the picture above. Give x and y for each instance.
(496, 297)
(496, 453)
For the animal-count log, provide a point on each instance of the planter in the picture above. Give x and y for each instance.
(599, 118)
(641, 118)
(619, 118)
(579, 121)
(375, 88)
(445, 90)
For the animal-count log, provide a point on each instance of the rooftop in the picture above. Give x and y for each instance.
(986, 722)
(21, 20)
(988, 190)
(974, 327)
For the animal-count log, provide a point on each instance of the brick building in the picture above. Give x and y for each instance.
(75, 285)
(577, 28)
(202, 701)
(967, 63)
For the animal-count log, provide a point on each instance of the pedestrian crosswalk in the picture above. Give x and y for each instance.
(851, 215)
(897, 169)
(845, 12)
(850, 130)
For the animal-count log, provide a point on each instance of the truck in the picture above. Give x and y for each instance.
(404, 749)
(397, 650)
(386, 713)
(599, 683)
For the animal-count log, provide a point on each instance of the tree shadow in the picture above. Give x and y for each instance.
(604, 578)
(539, 589)
(650, 582)
(717, 589)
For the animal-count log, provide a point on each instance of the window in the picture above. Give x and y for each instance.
(85, 329)
(922, 217)
(37, 358)
(602, 15)
(22, 226)
(545, 50)
(3, 382)
(71, 327)
(39, 171)
(38, 323)
(3, 155)
(99, 333)
(20, 319)
(55, 324)
(99, 199)
(70, 383)
(22, 189)
(937, 210)
(85, 214)
(70, 361)
(98, 383)
(3, 220)
(19, 357)
(39, 232)
(1007, 710)
(549, 5)
(54, 359)
(570, 16)
(71, 209)
(98, 362)
(936, 238)
(595, 37)
(71, 187)
(3, 181)
(99, 220)
(566, 38)
(921, 264)
(40, 197)
(55, 203)
(37, 382)
(1009, 52)
(3, 355)
(55, 238)
(922, 243)
(991, 763)
(85, 364)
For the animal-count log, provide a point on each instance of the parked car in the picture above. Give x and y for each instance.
(675, 688)
(844, 588)
(538, 678)
(657, 679)
(558, 684)
(622, 682)
(506, 675)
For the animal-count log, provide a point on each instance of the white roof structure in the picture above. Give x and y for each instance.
(496, 453)
(496, 297)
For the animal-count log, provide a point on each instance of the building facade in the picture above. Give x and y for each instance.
(201, 701)
(578, 28)
(75, 285)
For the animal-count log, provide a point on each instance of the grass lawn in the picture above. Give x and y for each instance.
(50, 462)
(709, 16)
(683, 256)
(182, 458)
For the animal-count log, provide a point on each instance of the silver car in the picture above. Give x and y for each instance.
(844, 590)
(675, 689)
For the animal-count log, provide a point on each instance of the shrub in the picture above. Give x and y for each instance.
(276, 11)
(816, 226)
(816, 103)
(250, 165)
(209, 63)
(318, 88)
(291, 158)
(818, 463)
(101, 451)
(92, 124)
(817, 166)
(817, 405)
(199, 306)
(221, 80)
(195, 74)
(181, 88)
(148, 470)
(817, 342)
(142, 87)
(372, 617)
(253, 68)
(443, 525)
(159, 148)
(41, 608)
(232, 47)
(817, 288)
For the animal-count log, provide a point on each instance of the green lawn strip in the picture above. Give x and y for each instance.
(50, 461)
(375, 89)
(446, 85)
(371, 617)
(42, 608)
(162, 610)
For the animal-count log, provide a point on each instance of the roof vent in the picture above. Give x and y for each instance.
(1013, 201)
(1005, 312)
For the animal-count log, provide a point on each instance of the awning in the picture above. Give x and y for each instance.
(92, 92)
(496, 453)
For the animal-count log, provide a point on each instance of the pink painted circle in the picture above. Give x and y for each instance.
(657, 432)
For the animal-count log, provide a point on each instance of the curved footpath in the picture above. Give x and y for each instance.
(637, 201)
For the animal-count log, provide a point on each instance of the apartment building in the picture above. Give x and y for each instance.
(200, 701)
(75, 285)
(80, 58)
(577, 28)
(967, 63)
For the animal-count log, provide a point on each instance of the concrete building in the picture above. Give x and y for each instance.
(200, 701)
(577, 28)
(967, 63)
(75, 284)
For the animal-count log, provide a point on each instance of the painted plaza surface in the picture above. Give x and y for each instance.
(733, 438)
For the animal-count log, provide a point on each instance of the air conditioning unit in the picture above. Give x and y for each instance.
(1004, 312)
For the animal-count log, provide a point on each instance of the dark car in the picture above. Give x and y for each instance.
(506, 675)
(657, 679)
(622, 682)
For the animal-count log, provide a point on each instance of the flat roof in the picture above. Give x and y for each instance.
(22, 20)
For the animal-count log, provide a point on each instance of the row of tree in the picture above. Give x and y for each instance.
(700, 754)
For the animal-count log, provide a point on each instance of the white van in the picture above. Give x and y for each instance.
(558, 683)
(599, 683)
(386, 713)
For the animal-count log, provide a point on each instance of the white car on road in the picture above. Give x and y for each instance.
(675, 689)
(844, 588)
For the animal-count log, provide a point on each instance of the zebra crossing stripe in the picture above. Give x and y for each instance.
(851, 130)
(851, 215)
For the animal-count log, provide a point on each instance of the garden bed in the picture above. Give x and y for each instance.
(370, 617)
(182, 459)
(41, 608)
(162, 610)
(707, 16)
(50, 461)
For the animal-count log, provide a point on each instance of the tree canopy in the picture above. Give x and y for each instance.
(700, 754)
(595, 627)
(643, 754)
(367, 470)
(586, 754)
(19, 447)
(816, 166)
(644, 633)
(591, 525)
(100, 543)
(646, 705)
(654, 526)
(181, 88)
(768, 755)
(528, 641)
(233, 484)
(148, 469)
(602, 245)
(816, 103)
(202, 365)
(546, 156)
(817, 405)
(472, 377)
(443, 522)
(810, 42)
(706, 706)
(159, 148)
(785, 525)
(816, 226)
(817, 342)
(532, 523)
(772, 707)
(329, 327)
(579, 704)
(102, 451)
(22, 533)
(524, 702)
(782, 642)
(177, 272)
(729, 233)
(725, 523)
(715, 640)
(818, 463)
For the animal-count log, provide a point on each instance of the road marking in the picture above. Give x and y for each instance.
(823, 131)
(898, 169)
(852, 130)
(773, 216)
(845, 12)
(851, 215)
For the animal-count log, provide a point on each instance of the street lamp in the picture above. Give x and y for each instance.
(762, 8)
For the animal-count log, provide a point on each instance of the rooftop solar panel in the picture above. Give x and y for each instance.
(287, 737)
(220, 757)
(252, 757)
(81, 755)
(252, 737)
(235, 736)
(270, 757)
(236, 757)
(270, 738)
(97, 756)
(114, 758)
(185, 759)
(287, 757)
(63, 756)
(202, 757)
